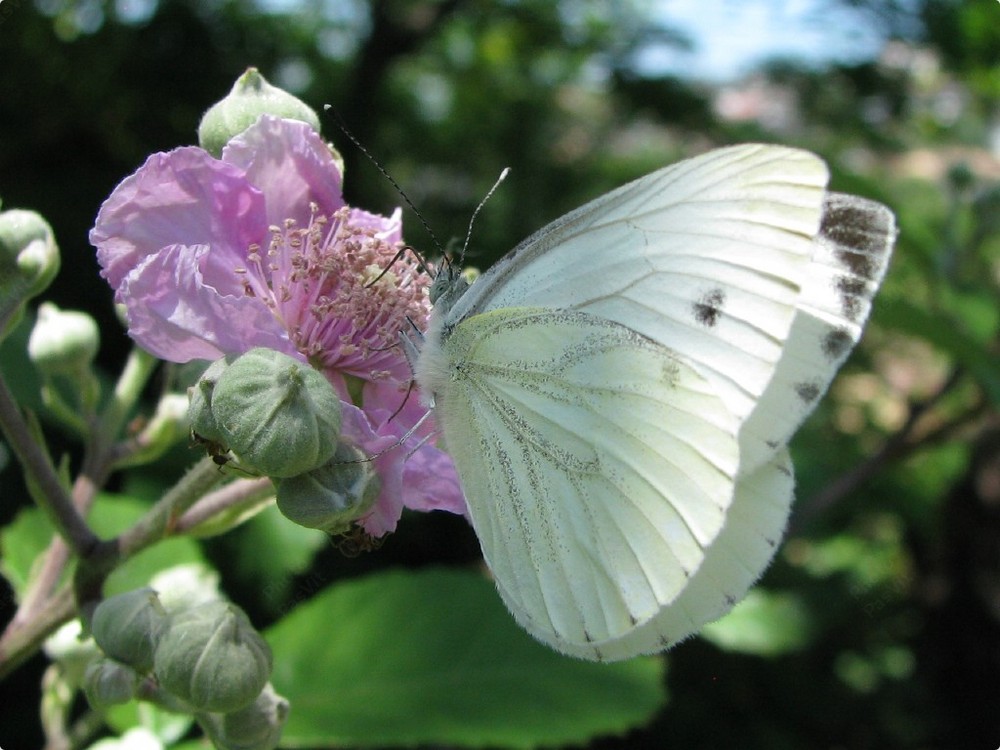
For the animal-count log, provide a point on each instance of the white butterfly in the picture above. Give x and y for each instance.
(617, 392)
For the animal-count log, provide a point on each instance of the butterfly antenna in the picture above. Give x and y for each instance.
(472, 220)
(378, 165)
(422, 265)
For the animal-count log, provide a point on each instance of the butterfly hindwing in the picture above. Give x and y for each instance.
(597, 467)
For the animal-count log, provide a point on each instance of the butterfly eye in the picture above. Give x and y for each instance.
(447, 287)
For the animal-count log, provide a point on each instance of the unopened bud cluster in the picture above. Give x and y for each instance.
(280, 418)
(206, 659)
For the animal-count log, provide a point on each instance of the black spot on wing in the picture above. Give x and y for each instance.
(837, 343)
(807, 392)
(708, 309)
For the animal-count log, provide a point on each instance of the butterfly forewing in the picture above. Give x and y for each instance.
(849, 259)
(706, 257)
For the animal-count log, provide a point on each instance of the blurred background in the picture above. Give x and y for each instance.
(885, 597)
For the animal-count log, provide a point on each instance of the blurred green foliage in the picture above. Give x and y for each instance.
(879, 624)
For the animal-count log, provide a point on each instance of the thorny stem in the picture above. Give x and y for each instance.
(161, 520)
(18, 644)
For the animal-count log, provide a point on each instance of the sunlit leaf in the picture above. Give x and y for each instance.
(765, 623)
(432, 657)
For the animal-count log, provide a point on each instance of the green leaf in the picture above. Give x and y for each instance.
(22, 541)
(765, 624)
(270, 550)
(432, 657)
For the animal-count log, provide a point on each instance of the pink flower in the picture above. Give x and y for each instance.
(216, 256)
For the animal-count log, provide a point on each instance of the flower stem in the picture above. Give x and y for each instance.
(160, 521)
(138, 369)
(51, 495)
(236, 500)
(22, 639)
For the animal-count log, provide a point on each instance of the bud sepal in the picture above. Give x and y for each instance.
(212, 658)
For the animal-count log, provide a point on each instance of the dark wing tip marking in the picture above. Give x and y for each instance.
(708, 309)
(852, 291)
(860, 229)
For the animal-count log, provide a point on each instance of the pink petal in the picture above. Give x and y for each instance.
(388, 466)
(430, 482)
(289, 162)
(414, 473)
(174, 315)
(184, 197)
(389, 228)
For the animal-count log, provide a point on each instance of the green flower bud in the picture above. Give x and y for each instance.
(108, 682)
(128, 627)
(29, 256)
(250, 97)
(63, 342)
(278, 415)
(204, 428)
(256, 727)
(334, 495)
(212, 658)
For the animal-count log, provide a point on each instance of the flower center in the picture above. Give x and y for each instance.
(341, 291)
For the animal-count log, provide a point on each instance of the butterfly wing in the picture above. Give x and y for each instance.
(706, 257)
(718, 265)
(849, 258)
(598, 468)
(755, 521)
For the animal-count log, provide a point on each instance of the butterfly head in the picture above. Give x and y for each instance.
(447, 287)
